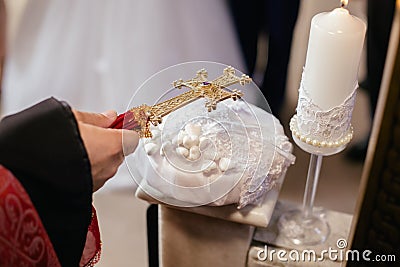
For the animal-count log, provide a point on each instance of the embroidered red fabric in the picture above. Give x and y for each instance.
(23, 238)
(92, 250)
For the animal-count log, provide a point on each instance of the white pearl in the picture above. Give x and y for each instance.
(193, 129)
(314, 142)
(182, 151)
(188, 126)
(190, 140)
(224, 164)
(180, 137)
(150, 148)
(336, 143)
(195, 140)
(194, 153)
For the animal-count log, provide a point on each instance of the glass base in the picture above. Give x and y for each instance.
(312, 230)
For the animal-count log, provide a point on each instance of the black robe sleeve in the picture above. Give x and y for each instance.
(43, 148)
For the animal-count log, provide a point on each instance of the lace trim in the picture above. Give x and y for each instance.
(316, 124)
(262, 177)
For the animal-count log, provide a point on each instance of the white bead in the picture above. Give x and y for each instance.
(194, 153)
(336, 143)
(314, 142)
(187, 127)
(190, 140)
(193, 129)
(195, 140)
(186, 141)
(150, 148)
(182, 151)
(181, 134)
(224, 164)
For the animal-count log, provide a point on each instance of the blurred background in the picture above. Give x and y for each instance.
(96, 53)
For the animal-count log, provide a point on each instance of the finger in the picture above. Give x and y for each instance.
(120, 142)
(103, 120)
(106, 173)
(130, 140)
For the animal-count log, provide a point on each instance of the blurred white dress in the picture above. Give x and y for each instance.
(96, 53)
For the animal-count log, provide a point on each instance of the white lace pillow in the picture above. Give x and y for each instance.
(235, 154)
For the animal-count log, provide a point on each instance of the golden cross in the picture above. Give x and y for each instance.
(139, 118)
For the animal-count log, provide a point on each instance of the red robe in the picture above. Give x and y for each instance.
(46, 214)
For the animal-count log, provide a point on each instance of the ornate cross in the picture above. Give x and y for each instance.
(139, 118)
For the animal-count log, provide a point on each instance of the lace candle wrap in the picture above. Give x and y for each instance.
(329, 82)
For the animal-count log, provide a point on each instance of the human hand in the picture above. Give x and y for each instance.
(105, 147)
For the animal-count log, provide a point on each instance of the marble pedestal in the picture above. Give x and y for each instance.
(224, 236)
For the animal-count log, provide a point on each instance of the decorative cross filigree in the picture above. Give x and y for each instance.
(213, 91)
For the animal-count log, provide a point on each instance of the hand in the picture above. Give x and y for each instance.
(105, 147)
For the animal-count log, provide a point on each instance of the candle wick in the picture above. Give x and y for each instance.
(343, 3)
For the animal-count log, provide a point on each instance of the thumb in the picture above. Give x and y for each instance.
(97, 119)
(130, 140)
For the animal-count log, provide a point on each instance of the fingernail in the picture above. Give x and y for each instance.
(111, 114)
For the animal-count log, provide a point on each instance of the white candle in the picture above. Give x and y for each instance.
(333, 56)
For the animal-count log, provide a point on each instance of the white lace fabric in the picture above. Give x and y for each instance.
(324, 125)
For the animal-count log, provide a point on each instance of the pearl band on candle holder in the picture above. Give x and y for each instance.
(320, 143)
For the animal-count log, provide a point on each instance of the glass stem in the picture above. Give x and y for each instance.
(311, 185)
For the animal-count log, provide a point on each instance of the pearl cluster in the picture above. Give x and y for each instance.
(188, 141)
(191, 144)
(317, 143)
